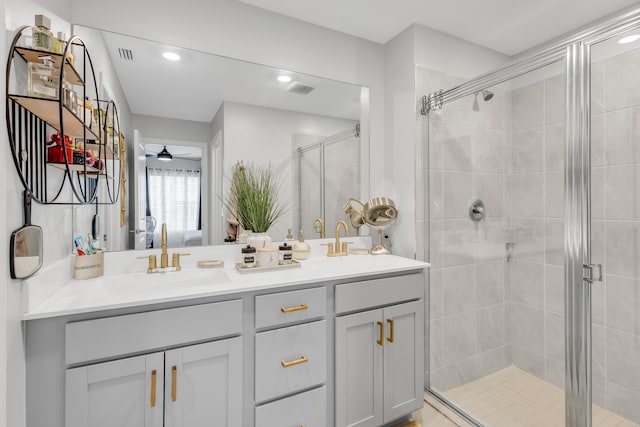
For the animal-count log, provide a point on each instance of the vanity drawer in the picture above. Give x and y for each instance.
(110, 337)
(290, 359)
(307, 409)
(378, 292)
(288, 307)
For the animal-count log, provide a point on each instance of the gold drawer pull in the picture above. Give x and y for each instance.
(303, 359)
(174, 381)
(391, 330)
(380, 340)
(153, 388)
(292, 309)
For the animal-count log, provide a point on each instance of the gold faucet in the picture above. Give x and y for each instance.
(336, 248)
(320, 222)
(164, 257)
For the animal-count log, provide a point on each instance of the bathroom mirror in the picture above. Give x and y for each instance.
(227, 110)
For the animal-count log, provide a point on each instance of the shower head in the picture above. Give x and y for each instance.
(487, 95)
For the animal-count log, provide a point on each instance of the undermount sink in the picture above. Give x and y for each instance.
(169, 281)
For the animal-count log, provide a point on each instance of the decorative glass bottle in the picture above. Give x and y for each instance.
(58, 43)
(43, 79)
(42, 36)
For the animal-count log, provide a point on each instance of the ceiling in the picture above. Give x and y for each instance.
(507, 26)
(194, 87)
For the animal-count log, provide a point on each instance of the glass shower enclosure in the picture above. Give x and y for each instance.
(534, 295)
(327, 166)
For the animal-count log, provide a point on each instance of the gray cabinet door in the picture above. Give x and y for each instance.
(203, 385)
(403, 359)
(124, 393)
(359, 369)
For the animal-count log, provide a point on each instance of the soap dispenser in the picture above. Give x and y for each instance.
(301, 249)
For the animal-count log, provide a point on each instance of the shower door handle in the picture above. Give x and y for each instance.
(592, 272)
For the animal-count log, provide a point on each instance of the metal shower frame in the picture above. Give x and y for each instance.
(579, 270)
(330, 140)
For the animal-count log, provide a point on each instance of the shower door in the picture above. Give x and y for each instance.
(615, 229)
(535, 305)
(496, 283)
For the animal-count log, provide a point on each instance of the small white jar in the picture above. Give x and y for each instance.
(267, 257)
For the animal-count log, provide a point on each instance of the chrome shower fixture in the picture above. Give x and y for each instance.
(487, 95)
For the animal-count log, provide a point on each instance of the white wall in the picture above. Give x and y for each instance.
(270, 135)
(4, 237)
(399, 147)
(55, 220)
(164, 128)
(452, 55)
(418, 46)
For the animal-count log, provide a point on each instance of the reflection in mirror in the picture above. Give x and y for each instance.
(173, 195)
(25, 257)
(26, 251)
(231, 111)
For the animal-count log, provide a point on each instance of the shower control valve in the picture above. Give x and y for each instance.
(476, 210)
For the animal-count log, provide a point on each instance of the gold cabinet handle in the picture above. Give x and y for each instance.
(292, 309)
(303, 359)
(391, 330)
(380, 340)
(153, 388)
(174, 381)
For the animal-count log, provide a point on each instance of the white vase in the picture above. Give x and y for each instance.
(259, 240)
(242, 238)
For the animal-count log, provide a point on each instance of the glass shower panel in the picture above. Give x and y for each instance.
(496, 327)
(309, 191)
(342, 179)
(615, 232)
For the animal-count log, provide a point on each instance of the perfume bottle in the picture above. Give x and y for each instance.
(42, 36)
(58, 43)
(43, 79)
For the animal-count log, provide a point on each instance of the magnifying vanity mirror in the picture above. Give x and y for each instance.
(188, 122)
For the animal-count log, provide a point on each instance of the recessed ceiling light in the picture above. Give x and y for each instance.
(284, 79)
(629, 39)
(171, 56)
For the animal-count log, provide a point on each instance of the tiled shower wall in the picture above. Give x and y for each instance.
(467, 308)
(616, 232)
(487, 313)
(536, 227)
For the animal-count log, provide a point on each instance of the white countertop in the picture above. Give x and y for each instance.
(122, 289)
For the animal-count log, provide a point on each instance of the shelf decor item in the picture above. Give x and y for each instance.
(47, 95)
(256, 197)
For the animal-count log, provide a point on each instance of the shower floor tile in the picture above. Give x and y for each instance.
(512, 397)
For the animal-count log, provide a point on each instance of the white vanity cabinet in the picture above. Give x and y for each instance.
(189, 386)
(379, 352)
(126, 392)
(340, 345)
(291, 361)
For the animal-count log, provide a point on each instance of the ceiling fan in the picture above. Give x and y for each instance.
(167, 153)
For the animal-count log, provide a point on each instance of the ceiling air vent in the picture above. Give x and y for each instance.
(125, 54)
(299, 88)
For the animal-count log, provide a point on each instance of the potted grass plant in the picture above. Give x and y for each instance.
(256, 195)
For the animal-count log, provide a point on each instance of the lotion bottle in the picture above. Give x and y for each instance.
(301, 249)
